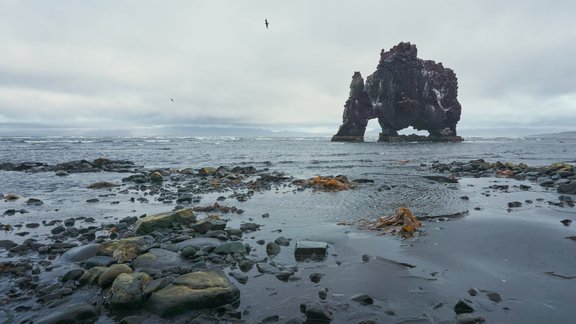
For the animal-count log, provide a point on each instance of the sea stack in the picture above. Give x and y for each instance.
(404, 91)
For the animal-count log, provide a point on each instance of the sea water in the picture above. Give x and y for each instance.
(396, 169)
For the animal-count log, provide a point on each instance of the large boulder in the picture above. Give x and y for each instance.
(92, 275)
(403, 91)
(568, 188)
(158, 259)
(126, 249)
(71, 313)
(107, 277)
(150, 223)
(193, 291)
(127, 291)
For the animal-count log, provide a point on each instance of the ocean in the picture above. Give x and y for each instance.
(471, 239)
(396, 167)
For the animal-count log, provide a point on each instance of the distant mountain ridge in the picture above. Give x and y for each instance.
(561, 134)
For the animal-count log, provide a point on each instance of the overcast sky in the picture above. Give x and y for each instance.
(114, 64)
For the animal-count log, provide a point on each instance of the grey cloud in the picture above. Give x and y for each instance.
(90, 62)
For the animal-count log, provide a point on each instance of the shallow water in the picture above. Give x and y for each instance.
(395, 165)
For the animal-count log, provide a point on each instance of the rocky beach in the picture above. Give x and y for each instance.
(241, 244)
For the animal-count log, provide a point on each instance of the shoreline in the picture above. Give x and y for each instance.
(364, 277)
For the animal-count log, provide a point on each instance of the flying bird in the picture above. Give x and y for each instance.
(266, 23)
(172, 99)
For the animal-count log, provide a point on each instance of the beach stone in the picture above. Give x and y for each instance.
(107, 277)
(81, 253)
(284, 275)
(34, 202)
(245, 265)
(58, 229)
(272, 248)
(188, 252)
(545, 182)
(138, 319)
(158, 259)
(494, 296)
(127, 290)
(249, 227)
(151, 223)
(514, 204)
(462, 307)
(234, 232)
(129, 220)
(206, 171)
(310, 250)
(156, 177)
(561, 182)
(126, 253)
(266, 268)
(567, 188)
(109, 247)
(363, 299)
(72, 275)
(99, 261)
(229, 248)
(566, 222)
(206, 225)
(195, 290)
(71, 313)
(7, 244)
(55, 295)
(69, 222)
(316, 277)
(282, 241)
(199, 243)
(470, 319)
(91, 276)
(317, 313)
(136, 178)
(62, 247)
(239, 276)
(473, 291)
(156, 285)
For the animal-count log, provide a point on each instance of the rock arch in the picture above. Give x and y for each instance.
(404, 91)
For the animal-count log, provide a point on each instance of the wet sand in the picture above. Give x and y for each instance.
(496, 251)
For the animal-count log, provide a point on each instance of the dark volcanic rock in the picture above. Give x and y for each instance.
(310, 250)
(357, 111)
(404, 91)
(462, 307)
(72, 313)
(568, 188)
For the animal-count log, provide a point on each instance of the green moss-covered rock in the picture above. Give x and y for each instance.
(92, 275)
(205, 171)
(231, 247)
(107, 277)
(124, 250)
(158, 259)
(165, 220)
(127, 291)
(156, 177)
(193, 291)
